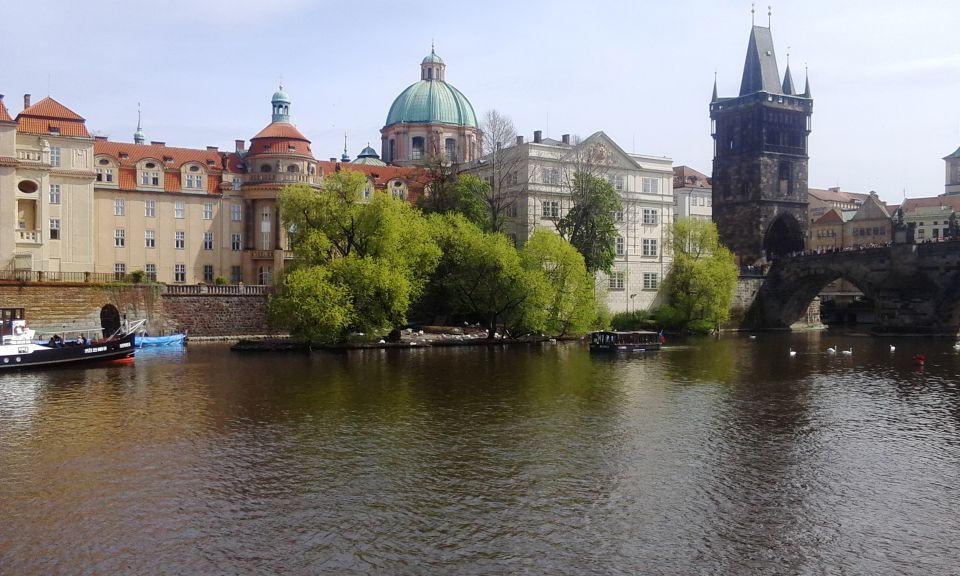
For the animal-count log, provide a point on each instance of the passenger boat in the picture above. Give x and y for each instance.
(19, 349)
(144, 341)
(634, 341)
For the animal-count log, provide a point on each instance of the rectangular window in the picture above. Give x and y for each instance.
(119, 237)
(621, 246)
(208, 273)
(151, 271)
(551, 209)
(180, 273)
(150, 239)
(618, 216)
(649, 216)
(54, 193)
(649, 247)
(150, 178)
(616, 280)
(416, 148)
(178, 209)
(54, 228)
(650, 280)
(236, 184)
(235, 243)
(651, 185)
(551, 175)
(236, 212)
(236, 274)
(119, 208)
(150, 208)
(180, 239)
(208, 240)
(104, 174)
(617, 182)
(119, 270)
(208, 211)
(54, 155)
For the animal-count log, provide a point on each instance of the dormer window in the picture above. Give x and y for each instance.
(54, 131)
(194, 181)
(149, 165)
(103, 162)
(168, 159)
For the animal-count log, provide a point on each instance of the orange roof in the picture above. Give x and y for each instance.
(415, 178)
(4, 115)
(129, 154)
(947, 201)
(50, 117)
(687, 177)
(50, 108)
(281, 130)
(831, 216)
(281, 146)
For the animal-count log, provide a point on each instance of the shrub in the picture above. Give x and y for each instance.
(636, 320)
(220, 280)
(137, 276)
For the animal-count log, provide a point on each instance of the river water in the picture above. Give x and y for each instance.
(716, 456)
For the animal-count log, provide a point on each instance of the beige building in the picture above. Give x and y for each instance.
(692, 194)
(930, 217)
(537, 179)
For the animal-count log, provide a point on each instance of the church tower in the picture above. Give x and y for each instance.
(760, 158)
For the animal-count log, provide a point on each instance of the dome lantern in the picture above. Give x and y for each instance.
(281, 106)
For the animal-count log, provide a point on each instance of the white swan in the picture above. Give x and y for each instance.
(793, 352)
(956, 346)
(893, 348)
(848, 351)
(831, 350)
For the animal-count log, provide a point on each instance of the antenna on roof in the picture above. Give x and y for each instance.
(769, 12)
(752, 13)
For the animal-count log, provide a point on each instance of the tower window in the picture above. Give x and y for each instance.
(416, 148)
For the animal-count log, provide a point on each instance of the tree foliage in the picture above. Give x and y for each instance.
(466, 195)
(590, 225)
(481, 275)
(571, 299)
(358, 265)
(703, 275)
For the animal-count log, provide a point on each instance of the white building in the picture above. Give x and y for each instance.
(537, 177)
(692, 194)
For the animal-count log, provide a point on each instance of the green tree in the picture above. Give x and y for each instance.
(481, 275)
(703, 275)
(571, 299)
(378, 255)
(465, 195)
(590, 225)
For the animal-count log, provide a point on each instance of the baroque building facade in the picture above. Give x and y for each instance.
(760, 158)
(537, 177)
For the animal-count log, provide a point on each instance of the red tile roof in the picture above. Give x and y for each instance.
(415, 178)
(687, 177)
(281, 130)
(47, 114)
(837, 195)
(4, 114)
(280, 146)
(948, 202)
(831, 216)
(178, 156)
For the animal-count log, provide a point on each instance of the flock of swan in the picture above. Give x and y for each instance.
(849, 351)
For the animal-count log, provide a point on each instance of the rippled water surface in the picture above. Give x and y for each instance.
(720, 456)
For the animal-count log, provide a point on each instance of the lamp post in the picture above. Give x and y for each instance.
(632, 308)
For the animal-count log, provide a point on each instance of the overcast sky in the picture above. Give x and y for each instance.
(885, 75)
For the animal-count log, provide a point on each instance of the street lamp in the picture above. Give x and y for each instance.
(632, 296)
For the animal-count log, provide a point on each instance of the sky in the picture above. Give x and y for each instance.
(884, 74)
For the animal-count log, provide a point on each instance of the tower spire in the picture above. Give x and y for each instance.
(753, 13)
(139, 137)
(788, 87)
(345, 157)
(714, 99)
(806, 87)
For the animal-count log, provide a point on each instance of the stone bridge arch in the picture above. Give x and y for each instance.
(915, 288)
(783, 236)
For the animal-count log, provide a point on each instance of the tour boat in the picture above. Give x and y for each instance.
(634, 341)
(19, 349)
(150, 341)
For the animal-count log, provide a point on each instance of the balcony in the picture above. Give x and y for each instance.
(268, 254)
(281, 178)
(29, 236)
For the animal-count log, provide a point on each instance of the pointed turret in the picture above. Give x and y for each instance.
(788, 81)
(139, 137)
(344, 157)
(760, 72)
(806, 87)
(714, 99)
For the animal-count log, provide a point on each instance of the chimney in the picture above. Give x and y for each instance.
(212, 149)
(333, 159)
(519, 140)
(157, 143)
(26, 101)
(100, 138)
(565, 138)
(536, 136)
(240, 145)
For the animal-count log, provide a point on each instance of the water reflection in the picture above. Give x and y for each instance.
(717, 455)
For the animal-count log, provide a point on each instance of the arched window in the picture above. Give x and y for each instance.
(265, 168)
(293, 168)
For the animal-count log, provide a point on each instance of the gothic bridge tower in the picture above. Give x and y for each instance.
(760, 158)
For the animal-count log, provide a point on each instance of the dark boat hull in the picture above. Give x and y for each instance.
(116, 348)
(624, 347)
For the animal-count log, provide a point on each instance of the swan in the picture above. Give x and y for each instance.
(831, 350)
(848, 351)
(893, 348)
(956, 346)
(793, 352)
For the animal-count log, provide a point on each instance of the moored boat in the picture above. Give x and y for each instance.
(144, 341)
(632, 341)
(19, 349)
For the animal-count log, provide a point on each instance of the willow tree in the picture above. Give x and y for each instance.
(703, 276)
(571, 298)
(358, 265)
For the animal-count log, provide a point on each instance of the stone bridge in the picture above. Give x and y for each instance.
(915, 287)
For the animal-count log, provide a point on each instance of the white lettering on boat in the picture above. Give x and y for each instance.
(97, 349)
(125, 345)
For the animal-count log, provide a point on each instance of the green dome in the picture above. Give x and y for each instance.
(429, 102)
(280, 96)
(432, 58)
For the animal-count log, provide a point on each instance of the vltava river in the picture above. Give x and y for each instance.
(723, 456)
